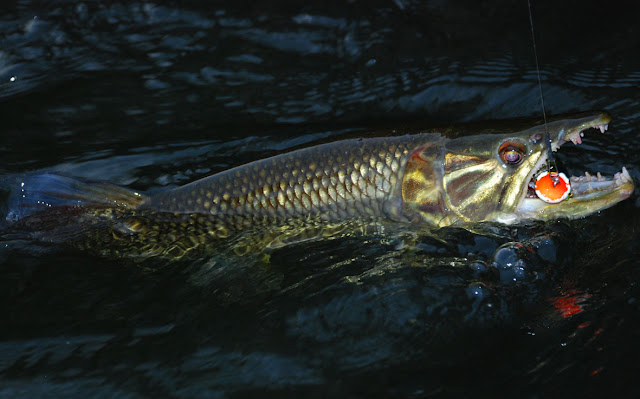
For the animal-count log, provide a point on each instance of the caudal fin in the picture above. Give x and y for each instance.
(35, 194)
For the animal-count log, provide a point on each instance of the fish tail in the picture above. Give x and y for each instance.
(46, 193)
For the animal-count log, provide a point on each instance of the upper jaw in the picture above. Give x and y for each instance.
(574, 131)
(571, 129)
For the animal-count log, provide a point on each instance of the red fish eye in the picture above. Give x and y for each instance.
(511, 153)
(512, 157)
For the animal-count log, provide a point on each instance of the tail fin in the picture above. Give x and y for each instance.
(42, 192)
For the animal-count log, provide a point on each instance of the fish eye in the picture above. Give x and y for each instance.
(511, 153)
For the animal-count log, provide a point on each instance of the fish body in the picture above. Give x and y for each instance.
(435, 179)
(357, 178)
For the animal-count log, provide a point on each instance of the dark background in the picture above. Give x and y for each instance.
(151, 95)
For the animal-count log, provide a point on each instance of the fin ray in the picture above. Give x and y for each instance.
(40, 192)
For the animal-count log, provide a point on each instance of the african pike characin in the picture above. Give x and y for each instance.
(435, 179)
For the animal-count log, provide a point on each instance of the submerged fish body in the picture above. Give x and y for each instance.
(435, 179)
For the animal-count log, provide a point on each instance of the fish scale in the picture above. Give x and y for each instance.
(346, 179)
(281, 199)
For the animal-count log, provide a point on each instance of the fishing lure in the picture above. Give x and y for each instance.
(552, 187)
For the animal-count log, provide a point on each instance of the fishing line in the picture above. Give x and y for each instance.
(550, 158)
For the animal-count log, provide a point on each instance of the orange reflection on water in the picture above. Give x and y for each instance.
(570, 303)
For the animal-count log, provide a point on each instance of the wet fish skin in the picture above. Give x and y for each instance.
(434, 179)
(308, 193)
(357, 178)
(437, 179)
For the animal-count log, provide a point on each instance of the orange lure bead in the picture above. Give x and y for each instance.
(546, 191)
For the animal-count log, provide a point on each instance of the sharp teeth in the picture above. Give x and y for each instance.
(581, 134)
(587, 174)
(599, 176)
(626, 174)
(602, 129)
(606, 126)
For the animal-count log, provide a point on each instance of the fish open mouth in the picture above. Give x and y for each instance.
(582, 186)
(588, 187)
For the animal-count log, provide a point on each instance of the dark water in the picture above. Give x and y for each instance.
(151, 95)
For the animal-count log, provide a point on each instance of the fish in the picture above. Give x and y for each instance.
(431, 178)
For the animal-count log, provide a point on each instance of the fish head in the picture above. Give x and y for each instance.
(490, 177)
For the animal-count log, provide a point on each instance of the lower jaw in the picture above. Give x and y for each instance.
(575, 206)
